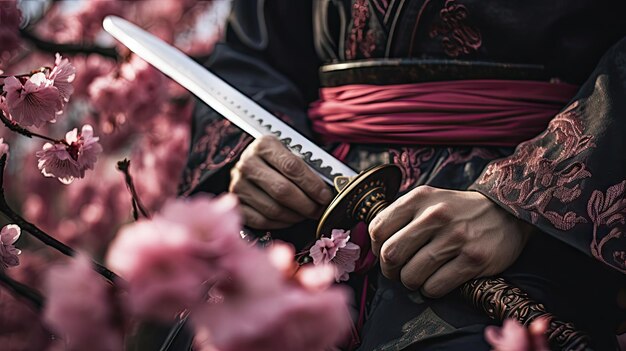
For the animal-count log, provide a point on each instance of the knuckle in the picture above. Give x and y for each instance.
(279, 190)
(273, 211)
(389, 256)
(291, 166)
(375, 233)
(430, 291)
(457, 236)
(244, 166)
(408, 280)
(475, 257)
(422, 191)
(266, 141)
(440, 212)
(432, 256)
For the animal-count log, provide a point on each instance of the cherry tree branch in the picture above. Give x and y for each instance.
(25, 132)
(70, 49)
(22, 290)
(124, 167)
(40, 234)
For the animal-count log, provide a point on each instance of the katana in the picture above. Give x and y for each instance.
(361, 196)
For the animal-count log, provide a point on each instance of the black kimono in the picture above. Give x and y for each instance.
(569, 181)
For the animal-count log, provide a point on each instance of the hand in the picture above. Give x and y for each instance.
(437, 239)
(276, 188)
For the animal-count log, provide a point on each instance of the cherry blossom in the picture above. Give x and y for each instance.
(62, 76)
(79, 307)
(337, 250)
(8, 253)
(67, 162)
(33, 103)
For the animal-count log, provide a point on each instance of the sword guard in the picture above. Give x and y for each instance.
(360, 198)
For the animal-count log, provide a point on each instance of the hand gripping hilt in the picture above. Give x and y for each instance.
(364, 196)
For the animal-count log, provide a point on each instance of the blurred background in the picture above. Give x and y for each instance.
(136, 112)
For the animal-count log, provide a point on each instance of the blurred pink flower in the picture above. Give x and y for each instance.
(110, 95)
(285, 318)
(512, 336)
(87, 21)
(208, 218)
(89, 68)
(135, 93)
(10, 18)
(79, 307)
(258, 308)
(62, 76)
(33, 103)
(21, 328)
(170, 260)
(158, 259)
(337, 250)
(4, 148)
(313, 277)
(69, 162)
(8, 253)
(158, 165)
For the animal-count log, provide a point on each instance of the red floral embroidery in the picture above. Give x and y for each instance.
(410, 160)
(607, 212)
(458, 37)
(463, 156)
(547, 168)
(359, 38)
(215, 155)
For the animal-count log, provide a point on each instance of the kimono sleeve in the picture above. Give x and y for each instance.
(267, 54)
(570, 181)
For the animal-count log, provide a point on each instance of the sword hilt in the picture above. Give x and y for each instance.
(364, 196)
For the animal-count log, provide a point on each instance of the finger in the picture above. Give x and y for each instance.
(256, 220)
(410, 208)
(447, 278)
(294, 168)
(262, 202)
(389, 221)
(401, 246)
(427, 261)
(279, 188)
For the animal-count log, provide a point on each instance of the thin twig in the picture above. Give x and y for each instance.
(22, 290)
(25, 132)
(69, 49)
(124, 167)
(40, 234)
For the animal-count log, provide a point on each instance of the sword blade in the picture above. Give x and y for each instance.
(222, 97)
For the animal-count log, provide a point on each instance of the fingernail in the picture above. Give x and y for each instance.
(326, 195)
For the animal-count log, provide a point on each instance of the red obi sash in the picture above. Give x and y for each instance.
(464, 112)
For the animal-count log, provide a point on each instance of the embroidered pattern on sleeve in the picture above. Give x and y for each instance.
(541, 173)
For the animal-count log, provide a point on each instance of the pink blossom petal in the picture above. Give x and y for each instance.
(34, 103)
(62, 76)
(345, 261)
(9, 253)
(323, 251)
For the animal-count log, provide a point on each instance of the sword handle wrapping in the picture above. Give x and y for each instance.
(500, 300)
